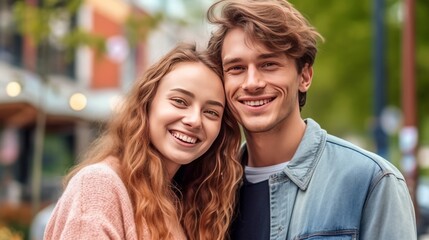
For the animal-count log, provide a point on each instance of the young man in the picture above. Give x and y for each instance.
(300, 182)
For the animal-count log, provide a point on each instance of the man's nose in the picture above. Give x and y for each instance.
(253, 80)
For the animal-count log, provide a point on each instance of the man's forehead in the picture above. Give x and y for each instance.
(255, 50)
(251, 42)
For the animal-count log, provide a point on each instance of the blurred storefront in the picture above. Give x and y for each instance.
(78, 98)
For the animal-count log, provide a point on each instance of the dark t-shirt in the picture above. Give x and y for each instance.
(253, 213)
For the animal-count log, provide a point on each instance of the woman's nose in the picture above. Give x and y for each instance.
(192, 118)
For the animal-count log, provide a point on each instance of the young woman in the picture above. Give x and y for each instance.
(129, 186)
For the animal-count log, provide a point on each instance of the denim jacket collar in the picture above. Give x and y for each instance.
(302, 165)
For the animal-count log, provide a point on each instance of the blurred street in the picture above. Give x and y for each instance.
(65, 67)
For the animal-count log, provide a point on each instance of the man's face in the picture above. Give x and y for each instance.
(261, 86)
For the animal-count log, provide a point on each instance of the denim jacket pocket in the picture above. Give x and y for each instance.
(348, 234)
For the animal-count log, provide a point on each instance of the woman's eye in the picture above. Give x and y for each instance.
(212, 113)
(179, 101)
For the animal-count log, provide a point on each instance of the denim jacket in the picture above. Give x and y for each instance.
(332, 189)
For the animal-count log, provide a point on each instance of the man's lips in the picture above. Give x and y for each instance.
(257, 103)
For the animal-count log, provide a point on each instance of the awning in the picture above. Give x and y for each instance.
(54, 98)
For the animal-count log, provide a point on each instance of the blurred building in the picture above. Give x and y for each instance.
(78, 97)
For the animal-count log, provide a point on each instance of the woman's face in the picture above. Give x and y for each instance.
(186, 114)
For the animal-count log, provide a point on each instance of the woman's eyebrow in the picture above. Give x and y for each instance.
(190, 94)
(216, 103)
(186, 92)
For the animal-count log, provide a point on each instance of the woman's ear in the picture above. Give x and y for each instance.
(306, 77)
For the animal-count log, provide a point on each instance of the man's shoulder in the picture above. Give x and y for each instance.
(358, 156)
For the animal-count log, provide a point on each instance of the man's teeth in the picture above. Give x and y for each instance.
(257, 103)
(184, 137)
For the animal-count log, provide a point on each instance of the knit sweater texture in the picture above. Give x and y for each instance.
(95, 205)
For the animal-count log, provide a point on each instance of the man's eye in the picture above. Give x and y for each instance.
(269, 65)
(234, 69)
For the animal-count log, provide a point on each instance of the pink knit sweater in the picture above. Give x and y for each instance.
(95, 205)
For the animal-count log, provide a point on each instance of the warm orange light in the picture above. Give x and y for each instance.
(13, 89)
(77, 101)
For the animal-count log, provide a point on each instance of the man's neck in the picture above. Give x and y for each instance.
(275, 146)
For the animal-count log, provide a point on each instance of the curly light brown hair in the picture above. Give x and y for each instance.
(204, 201)
(274, 23)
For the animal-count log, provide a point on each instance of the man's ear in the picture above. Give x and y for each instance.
(306, 77)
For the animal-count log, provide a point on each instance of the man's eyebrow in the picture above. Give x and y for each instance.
(228, 61)
(190, 94)
(271, 55)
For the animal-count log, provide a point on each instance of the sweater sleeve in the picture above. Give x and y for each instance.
(95, 205)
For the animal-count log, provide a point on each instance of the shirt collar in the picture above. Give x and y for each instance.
(301, 167)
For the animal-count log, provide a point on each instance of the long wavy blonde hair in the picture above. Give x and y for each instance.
(204, 196)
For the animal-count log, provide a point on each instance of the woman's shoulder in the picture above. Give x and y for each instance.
(102, 171)
(95, 180)
(95, 203)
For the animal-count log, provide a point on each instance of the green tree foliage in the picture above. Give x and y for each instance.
(342, 93)
(36, 23)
